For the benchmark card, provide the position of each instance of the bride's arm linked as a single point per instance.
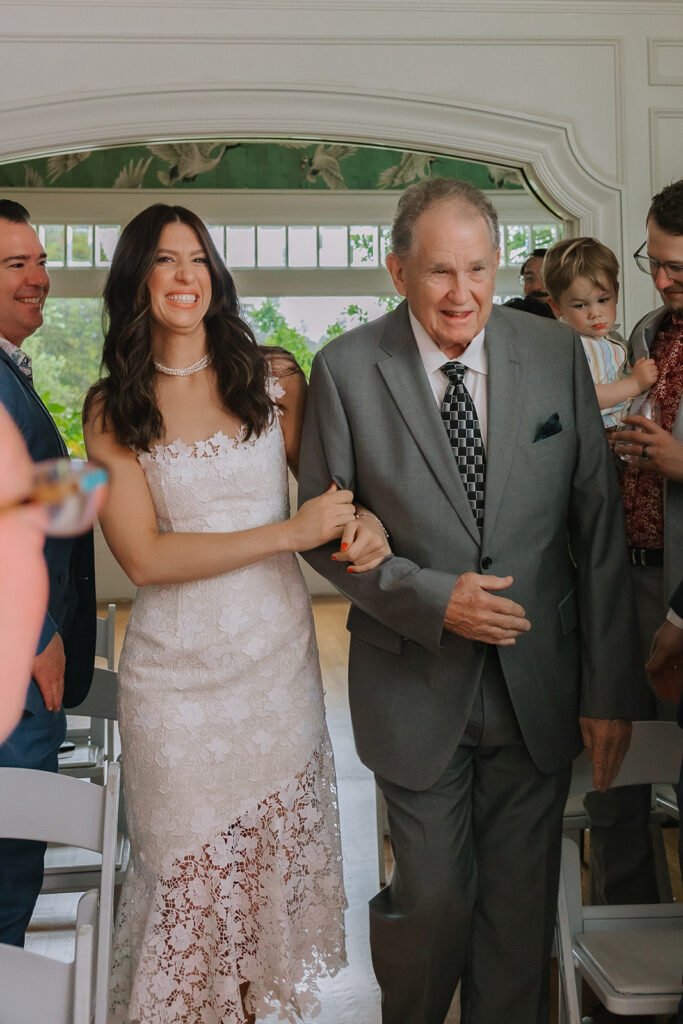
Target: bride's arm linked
(148, 557)
(364, 542)
(129, 522)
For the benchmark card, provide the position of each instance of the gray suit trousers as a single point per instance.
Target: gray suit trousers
(474, 887)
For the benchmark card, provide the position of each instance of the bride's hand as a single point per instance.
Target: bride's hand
(320, 519)
(364, 543)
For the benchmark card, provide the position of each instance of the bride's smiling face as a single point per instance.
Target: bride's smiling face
(180, 284)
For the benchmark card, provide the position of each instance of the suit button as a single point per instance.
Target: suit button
(486, 562)
(63, 577)
(478, 646)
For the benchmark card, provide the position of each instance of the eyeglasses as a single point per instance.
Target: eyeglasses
(70, 490)
(650, 266)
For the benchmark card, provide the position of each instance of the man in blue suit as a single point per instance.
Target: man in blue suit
(62, 668)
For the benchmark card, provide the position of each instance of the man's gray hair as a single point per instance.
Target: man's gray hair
(418, 198)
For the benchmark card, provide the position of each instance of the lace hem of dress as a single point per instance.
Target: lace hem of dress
(262, 902)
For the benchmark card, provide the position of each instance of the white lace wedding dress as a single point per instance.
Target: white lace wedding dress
(228, 772)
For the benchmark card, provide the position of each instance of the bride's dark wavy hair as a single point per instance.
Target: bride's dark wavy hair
(125, 394)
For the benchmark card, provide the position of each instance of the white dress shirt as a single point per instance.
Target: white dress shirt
(674, 619)
(476, 375)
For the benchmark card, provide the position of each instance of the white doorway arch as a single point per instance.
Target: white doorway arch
(544, 150)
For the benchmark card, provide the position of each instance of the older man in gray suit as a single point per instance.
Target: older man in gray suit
(501, 631)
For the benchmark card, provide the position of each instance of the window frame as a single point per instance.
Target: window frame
(261, 208)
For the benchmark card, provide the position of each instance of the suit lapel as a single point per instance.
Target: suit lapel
(506, 360)
(407, 382)
(651, 329)
(35, 397)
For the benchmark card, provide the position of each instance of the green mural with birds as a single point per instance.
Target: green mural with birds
(235, 164)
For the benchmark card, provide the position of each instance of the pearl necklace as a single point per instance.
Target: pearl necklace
(184, 371)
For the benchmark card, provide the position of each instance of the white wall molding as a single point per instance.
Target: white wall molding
(242, 45)
(545, 151)
(507, 7)
(231, 37)
(665, 61)
(666, 146)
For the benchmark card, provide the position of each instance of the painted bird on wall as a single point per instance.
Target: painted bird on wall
(62, 163)
(411, 166)
(188, 159)
(502, 176)
(324, 164)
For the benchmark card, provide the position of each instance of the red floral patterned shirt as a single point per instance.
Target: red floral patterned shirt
(642, 490)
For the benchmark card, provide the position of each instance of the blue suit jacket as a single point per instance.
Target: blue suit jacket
(70, 561)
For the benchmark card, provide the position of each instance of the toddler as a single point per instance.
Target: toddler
(581, 275)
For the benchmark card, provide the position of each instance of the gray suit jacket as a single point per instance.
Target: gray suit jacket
(641, 340)
(372, 425)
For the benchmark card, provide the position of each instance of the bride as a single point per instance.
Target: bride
(234, 900)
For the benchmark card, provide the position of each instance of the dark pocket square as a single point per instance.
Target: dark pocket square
(551, 426)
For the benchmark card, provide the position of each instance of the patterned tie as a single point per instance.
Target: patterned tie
(21, 360)
(462, 427)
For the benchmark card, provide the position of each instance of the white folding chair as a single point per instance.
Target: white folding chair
(69, 868)
(38, 988)
(46, 807)
(631, 956)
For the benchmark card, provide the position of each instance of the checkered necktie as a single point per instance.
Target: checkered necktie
(462, 427)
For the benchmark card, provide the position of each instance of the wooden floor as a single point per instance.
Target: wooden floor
(352, 997)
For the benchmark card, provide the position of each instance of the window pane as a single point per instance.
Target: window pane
(79, 245)
(302, 247)
(240, 247)
(52, 240)
(543, 235)
(384, 241)
(217, 232)
(272, 247)
(517, 243)
(333, 247)
(363, 241)
(501, 243)
(106, 238)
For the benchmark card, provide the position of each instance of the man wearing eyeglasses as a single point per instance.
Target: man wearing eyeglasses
(622, 861)
(62, 667)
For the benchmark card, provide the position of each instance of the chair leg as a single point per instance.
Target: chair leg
(661, 866)
(569, 981)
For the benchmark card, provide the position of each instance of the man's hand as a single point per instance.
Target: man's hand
(666, 662)
(660, 451)
(477, 614)
(48, 672)
(607, 741)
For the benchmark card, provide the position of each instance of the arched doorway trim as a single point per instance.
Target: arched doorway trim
(544, 150)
